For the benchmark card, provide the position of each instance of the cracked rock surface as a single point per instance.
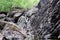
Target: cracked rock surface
(42, 21)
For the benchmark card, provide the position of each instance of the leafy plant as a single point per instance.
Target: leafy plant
(7, 5)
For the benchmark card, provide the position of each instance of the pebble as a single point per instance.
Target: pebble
(22, 22)
(17, 15)
(2, 15)
(32, 11)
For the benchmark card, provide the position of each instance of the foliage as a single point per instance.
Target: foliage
(7, 5)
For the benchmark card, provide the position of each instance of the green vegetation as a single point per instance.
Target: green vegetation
(7, 5)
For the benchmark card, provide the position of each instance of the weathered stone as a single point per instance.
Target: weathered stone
(2, 16)
(9, 30)
(59, 36)
(17, 15)
(12, 13)
(32, 11)
(22, 21)
(1, 36)
(8, 19)
(36, 23)
(48, 16)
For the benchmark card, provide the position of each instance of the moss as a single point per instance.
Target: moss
(7, 5)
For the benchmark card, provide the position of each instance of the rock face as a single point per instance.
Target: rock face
(42, 21)
(9, 32)
(47, 19)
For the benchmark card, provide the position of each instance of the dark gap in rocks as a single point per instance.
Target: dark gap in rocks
(4, 38)
(16, 19)
(1, 27)
(18, 8)
(4, 13)
(15, 38)
(54, 27)
(54, 2)
(55, 35)
(54, 19)
(39, 5)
